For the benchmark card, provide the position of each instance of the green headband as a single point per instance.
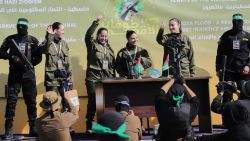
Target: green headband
(22, 23)
(244, 90)
(237, 17)
(98, 128)
(177, 98)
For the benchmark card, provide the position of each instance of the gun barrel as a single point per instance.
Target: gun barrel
(224, 67)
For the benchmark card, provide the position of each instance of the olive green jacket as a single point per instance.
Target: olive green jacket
(186, 53)
(48, 48)
(95, 56)
(123, 60)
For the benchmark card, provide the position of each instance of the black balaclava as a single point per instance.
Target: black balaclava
(22, 27)
(122, 103)
(237, 22)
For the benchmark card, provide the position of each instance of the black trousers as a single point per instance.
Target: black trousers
(26, 80)
(91, 107)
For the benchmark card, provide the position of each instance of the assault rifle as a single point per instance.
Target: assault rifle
(25, 61)
(225, 87)
(177, 45)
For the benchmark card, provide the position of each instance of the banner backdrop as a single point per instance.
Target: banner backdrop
(203, 21)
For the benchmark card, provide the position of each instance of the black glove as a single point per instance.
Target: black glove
(231, 86)
(226, 86)
(15, 59)
(220, 87)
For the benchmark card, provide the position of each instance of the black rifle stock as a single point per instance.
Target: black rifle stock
(25, 61)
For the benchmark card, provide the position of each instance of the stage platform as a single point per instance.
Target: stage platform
(147, 136)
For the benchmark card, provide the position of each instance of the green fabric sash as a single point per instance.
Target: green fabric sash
(99, 129)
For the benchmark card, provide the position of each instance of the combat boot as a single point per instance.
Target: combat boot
(32, 131)
(88, 126)
(8, 135)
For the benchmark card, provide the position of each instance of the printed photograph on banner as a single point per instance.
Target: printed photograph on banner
(129, 8)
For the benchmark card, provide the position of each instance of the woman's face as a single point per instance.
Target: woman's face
(60, 31)
(174, 26)
(103, 37)
(133, 39)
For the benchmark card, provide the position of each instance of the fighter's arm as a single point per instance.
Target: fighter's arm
(246, 68)
(36, 51)
(4, 50)
(220, 53)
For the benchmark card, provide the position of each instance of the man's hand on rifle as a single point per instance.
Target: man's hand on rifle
(220, 88)
(16, 59)
(219, 74)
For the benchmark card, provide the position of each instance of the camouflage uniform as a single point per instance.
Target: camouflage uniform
(96, 54)
(51, 48)
(186, 53)
(124, 61)
(56, 50)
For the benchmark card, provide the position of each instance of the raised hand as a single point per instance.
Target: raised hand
(50, 30)
(98, 18)
(161, 24)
